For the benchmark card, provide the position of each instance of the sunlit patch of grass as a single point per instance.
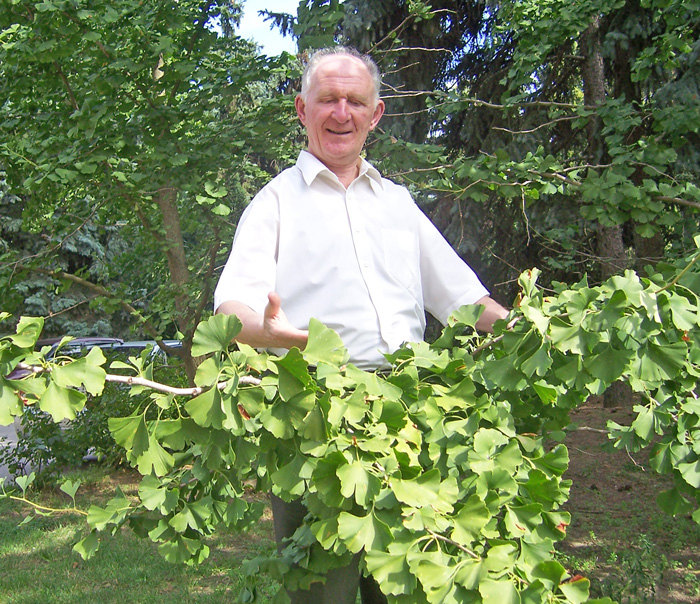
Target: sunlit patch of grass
(39, 566)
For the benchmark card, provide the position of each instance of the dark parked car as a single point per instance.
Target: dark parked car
(43, 446)
(112, 348)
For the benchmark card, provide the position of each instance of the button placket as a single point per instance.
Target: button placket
(363, 251)
(359, 234)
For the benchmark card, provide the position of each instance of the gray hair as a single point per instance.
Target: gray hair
(346, 51)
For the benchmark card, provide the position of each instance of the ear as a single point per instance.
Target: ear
(301, 109)
(378, 112)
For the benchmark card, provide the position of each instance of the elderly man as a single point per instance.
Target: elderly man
(330, 238)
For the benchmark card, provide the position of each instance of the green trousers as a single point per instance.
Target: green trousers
(341, 583)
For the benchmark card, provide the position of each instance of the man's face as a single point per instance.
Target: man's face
(339, 111)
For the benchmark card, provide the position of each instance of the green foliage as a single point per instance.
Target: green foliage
(440, 472)
(46, 448)
(125, 570)
(38, 437)
(88, 251)
(317, 23)
(641, 570)
(524, 157)
(133, 133)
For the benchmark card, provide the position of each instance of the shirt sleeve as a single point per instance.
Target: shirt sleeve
(250, 272)
(447, 281)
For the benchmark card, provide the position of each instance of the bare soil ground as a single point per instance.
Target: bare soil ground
(619, 538)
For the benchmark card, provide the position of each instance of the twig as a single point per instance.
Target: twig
(679, 275)
(486, 345)
(60, 243)
(421, 48)
(634, 461)
(52, 314)
(578, 450)
(139, 381)
(101, 291)
(587, 429)
(452, 542)
(399, 27)
(536, 128)
(43, 508)
(66, 83)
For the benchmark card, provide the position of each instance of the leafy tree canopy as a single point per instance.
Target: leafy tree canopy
(142, 119)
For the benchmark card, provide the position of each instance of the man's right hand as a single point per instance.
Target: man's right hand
(272, 329)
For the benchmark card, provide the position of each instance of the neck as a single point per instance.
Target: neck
(348, 174)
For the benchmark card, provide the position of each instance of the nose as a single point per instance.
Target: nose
(340, 111)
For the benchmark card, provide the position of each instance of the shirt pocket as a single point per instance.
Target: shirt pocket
(402, 258)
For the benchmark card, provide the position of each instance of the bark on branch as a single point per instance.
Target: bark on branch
(66, 83)
(101, 291)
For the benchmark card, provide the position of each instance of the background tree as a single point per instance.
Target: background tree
(547, 126)
(518, 77)
(150, 126)
(140, 119)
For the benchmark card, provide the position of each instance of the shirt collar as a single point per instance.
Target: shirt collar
(311, 167)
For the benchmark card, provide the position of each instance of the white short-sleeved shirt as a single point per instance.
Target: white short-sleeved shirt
(364, 261)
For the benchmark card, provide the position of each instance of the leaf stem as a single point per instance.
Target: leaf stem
(139, 381)
(683, 272)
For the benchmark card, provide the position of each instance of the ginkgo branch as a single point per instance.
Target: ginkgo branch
(132, 380)
(66, 83)
(138, 381)
(45, 509)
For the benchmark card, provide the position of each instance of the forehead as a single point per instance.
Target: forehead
(341, 71)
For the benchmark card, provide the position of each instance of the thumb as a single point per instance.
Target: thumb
(274, 305)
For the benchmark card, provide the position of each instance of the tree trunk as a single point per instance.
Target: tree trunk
(611, 251)
(648, 251)
(166, 198)
(610, 246)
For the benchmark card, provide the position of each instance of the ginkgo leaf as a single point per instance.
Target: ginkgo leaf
(215, 334)
(324, 345)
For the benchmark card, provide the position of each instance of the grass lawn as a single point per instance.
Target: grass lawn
(618, 538)
(39, 566)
